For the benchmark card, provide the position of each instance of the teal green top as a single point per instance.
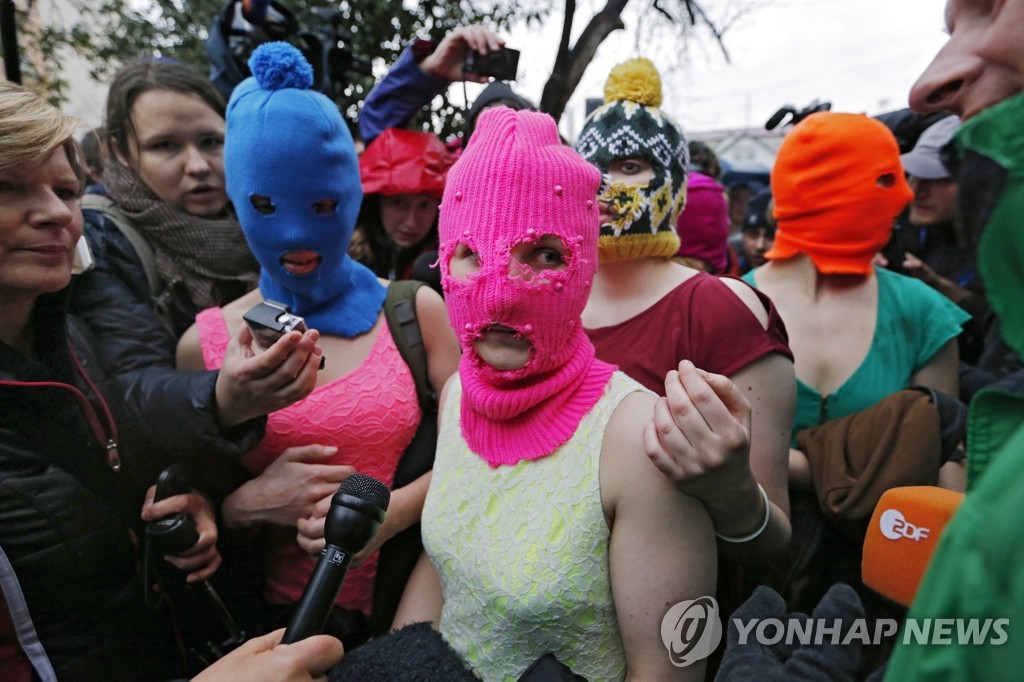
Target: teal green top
(914, 322)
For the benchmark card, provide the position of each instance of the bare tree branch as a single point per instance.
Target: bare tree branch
(696, 7)
(563, 82)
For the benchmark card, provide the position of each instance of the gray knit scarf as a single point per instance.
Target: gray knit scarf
(202, 253)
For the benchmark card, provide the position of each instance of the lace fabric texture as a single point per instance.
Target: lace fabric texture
(522, 551)
(370, 415)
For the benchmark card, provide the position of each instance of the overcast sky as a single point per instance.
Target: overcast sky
(862, 55)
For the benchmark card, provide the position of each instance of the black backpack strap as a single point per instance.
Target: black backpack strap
(104, 205)
(400, 312)
(398, 555)
(160, 295)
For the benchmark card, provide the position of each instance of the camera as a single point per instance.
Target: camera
(237, 30)
(328, 50)
(795, 115)
(270, 320)
(501, 64)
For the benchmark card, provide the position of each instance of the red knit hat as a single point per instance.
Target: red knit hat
(703, 226)
(400, 161)
(838, 187)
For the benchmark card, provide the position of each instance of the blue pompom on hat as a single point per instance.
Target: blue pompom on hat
(277, 66)
(293, 176)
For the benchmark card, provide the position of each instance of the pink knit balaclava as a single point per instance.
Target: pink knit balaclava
(517, 183)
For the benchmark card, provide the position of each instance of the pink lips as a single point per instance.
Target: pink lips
(301, 262)
(56, 253)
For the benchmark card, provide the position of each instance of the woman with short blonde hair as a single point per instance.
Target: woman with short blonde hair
(30, 129)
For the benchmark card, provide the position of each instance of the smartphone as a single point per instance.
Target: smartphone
(501, 64)
(270, 320)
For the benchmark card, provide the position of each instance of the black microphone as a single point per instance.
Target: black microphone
(357, 510)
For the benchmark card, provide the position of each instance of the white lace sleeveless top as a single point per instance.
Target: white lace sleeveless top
(522, 551)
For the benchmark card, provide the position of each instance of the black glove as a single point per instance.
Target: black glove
(784, 662)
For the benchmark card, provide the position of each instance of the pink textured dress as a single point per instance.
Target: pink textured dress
(370, 415)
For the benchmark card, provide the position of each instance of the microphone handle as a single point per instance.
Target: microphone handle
(318, 598)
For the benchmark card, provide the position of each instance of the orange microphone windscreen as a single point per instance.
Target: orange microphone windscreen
(902, 536)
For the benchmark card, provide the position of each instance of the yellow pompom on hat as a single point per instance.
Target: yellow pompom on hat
(636, 80)
(630, 125)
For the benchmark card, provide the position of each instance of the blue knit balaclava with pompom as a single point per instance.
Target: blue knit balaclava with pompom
(293, 177)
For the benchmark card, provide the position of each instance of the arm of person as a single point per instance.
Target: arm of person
(265, 659)
(942, 371)
(287, 491)
(404, 510)
(409, 86)
(175, 411)
(438, 337)
(700, 437)
(662, 548)
(422, 600)
(915, 267)
(253, 384)
(799, 470)
(769, 385)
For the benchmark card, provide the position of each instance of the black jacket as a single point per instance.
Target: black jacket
(66, 514)
(137, 352)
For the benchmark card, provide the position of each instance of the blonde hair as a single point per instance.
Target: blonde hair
(31, 129)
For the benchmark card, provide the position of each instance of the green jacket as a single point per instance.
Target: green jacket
(978, 569)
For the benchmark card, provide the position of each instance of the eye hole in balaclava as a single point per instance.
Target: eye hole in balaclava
(464, 261)
(535, 261)
(325, 207)
(634, 171)
(886, 181)
(262, 204)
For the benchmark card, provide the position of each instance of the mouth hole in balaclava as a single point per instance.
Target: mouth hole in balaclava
(538, 260)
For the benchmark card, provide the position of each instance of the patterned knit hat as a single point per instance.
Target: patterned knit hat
(516, 184)
(630, 124)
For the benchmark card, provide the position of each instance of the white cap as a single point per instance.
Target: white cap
(923, 161)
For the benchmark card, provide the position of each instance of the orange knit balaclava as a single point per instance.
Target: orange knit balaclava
(838, 187)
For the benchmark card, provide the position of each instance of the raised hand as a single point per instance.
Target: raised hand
(287, 490)
(252, 384)
(446, 60)
(699, 435)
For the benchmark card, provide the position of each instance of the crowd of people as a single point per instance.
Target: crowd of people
(623, 386)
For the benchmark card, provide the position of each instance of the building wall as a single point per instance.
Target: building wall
(752, 149)
(86, 97)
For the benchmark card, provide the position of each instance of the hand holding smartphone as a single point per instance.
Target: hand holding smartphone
(500, 64)
(269, 321)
